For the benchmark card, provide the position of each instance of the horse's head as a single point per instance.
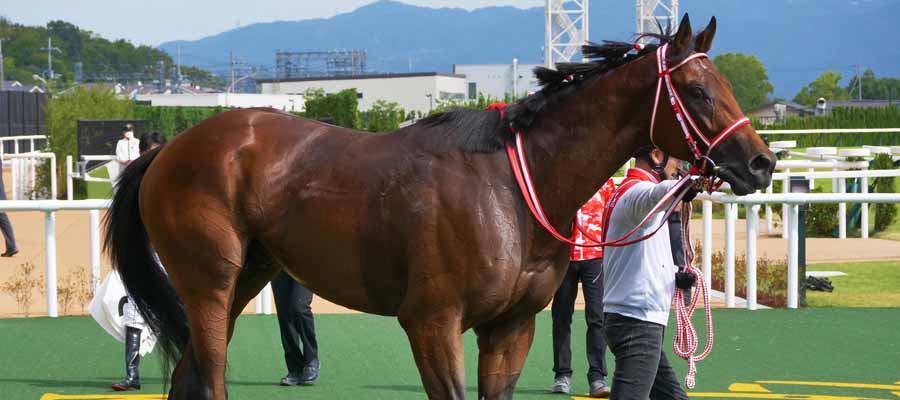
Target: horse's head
(709, 115)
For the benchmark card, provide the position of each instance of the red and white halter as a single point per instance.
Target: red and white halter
(686, 341)
(702, 161)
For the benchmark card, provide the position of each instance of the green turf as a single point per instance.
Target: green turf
(874, 284)
(99, 190)
(367, 357)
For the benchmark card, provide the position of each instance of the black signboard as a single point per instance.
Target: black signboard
(99, 137)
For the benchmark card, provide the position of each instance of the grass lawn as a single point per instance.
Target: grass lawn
(794, 354)
(874, 284)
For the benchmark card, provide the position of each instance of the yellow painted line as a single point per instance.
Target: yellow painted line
(834, 384)
(748, 387)
(778, 396)
(897, 393)
(107, 396)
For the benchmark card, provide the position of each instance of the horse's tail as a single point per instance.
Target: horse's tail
(145, 281)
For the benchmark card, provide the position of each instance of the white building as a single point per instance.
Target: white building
(496, 80)
(413, 91)
(284, 102)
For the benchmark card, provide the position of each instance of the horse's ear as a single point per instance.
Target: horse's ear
(684, 38)
(705, 39)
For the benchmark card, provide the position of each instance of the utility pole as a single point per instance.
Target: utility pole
(2, 85)
(177, 88)
(231, 69)
(859, 80)
(50, 49)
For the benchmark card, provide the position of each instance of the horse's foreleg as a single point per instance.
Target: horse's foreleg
(436, 341)
(503, 348)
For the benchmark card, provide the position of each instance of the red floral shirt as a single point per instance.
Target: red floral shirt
(590, 219)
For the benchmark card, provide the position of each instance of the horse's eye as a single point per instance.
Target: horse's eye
(699, 93)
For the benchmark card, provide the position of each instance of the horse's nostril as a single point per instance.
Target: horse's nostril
(761, 164)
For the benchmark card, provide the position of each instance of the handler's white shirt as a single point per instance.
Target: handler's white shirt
(128, 149)
(639, 279)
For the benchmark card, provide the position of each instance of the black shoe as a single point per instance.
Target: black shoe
(310, 373)
(291, 379)
(132, 379)
(10, 253)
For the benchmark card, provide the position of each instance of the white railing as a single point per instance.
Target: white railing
(49, 208)
(23, 173)
(16, 139)
(753, 202)
(814, 131)
(79, 171)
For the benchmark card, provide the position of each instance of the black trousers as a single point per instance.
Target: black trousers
(642, 370)
(590, 274)
(5, 225)
(295, 320)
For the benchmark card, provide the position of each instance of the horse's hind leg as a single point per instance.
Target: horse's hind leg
(502, 350)
(204, 265)
(257, 272)
(436, 340)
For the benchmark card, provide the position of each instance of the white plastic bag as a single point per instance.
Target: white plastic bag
(108, 309)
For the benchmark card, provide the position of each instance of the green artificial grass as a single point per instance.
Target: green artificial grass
(99, 190)
(368, 357)
(871, 284)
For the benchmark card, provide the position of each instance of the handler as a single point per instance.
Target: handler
(639, 280)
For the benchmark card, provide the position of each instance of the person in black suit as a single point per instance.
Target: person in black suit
(295, 320)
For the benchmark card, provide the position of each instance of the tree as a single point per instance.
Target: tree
(342, 108)
(383, 117)
(874, 88)
(826, 86)
(748, 78)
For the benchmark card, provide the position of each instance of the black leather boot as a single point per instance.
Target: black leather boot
(132, 379)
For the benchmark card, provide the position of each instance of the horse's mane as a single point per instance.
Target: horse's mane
(483, 131)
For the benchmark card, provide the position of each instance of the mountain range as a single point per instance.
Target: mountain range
(795, 39)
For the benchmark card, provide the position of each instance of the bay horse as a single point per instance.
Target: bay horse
(426, 224)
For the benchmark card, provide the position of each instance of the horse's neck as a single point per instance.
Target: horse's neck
(587, 138)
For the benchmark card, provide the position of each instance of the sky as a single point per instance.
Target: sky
(155, 21)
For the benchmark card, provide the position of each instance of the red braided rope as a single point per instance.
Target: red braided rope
(686, 338)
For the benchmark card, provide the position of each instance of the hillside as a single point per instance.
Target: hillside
(102, 59)
(796, 40)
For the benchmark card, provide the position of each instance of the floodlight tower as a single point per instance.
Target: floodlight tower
(567, 29)
(651, 14)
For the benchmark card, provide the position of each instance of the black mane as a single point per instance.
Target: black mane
(484, 131)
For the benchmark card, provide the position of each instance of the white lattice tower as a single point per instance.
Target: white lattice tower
(651, 14)
(567, 29)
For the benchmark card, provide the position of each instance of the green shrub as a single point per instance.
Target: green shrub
(771, 277)
(842, 117)
(884, 213)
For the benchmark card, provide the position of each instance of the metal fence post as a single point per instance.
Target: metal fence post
(785, 221)
(50, 249)
(69, 192)
(793, 258)
(730, 217)
(842, 210)
(95, 247)
(707, 242)
(53, 191)
(864, 209)
(752, 233)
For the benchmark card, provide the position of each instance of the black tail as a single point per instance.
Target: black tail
(134, 259)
